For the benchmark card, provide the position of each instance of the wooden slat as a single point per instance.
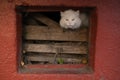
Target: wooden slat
(45, 33)
(51, 23)
(51, 59)
(50, 48)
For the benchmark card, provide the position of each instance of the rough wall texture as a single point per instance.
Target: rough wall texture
(107, 65)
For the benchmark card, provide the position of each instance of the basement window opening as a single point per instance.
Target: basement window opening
(46, 47)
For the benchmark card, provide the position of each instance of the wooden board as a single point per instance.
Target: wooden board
(45, 33)
(51, 48)
(51, 59)
(51, 23)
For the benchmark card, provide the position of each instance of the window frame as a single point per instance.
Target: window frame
(55, 68)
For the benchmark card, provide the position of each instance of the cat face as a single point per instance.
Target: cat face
(70, 19)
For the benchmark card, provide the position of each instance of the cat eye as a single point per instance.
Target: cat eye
(73, 19)
(66, 19)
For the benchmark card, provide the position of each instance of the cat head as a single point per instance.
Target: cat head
(70, 12)
(70, 19)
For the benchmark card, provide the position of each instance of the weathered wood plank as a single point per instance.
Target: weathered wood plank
(45, 33)
(51, 23)
(51, 59)
(51, 48)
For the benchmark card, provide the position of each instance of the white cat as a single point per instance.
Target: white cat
(71, 19)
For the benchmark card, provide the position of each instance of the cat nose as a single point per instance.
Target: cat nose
(70, 23)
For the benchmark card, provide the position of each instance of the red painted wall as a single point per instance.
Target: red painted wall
(107, 54)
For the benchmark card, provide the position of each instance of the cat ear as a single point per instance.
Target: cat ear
(61, 13)
(77, 12)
